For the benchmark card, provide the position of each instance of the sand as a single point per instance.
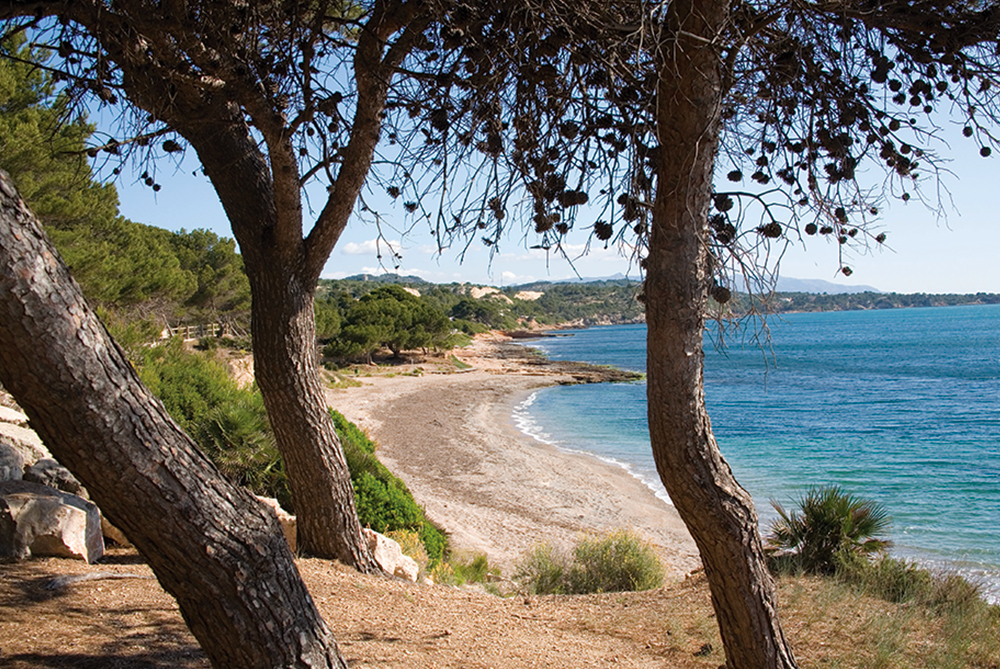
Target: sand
(450, 437)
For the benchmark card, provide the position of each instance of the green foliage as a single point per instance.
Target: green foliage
(618, 562)
(236, 435)
(542, 571)
(591, 302)
(490, 313)
(189, 385)
(389, 316)
(127, 269)
(896, 580)
(229, 423)
(830, 526)
(328, 319)
(384, 502)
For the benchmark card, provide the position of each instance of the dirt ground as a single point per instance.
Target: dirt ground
(131, 623)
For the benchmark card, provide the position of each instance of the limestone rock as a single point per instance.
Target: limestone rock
(49, 472)
(113, 533)
(390, 556)
(11, 463)
(286, 519)
(14, 430)
(42, 521)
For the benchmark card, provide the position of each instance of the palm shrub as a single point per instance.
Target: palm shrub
(830, 526)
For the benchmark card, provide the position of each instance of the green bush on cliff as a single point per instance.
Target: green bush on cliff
(384, 502)
(230, 425)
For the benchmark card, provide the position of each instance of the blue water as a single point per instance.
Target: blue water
(900, 406)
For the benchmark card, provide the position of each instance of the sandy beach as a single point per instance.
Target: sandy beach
(451, 438)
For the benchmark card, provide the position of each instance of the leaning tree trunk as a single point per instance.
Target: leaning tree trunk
(718, 512)
(220, 553)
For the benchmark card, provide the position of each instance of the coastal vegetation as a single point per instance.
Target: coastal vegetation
(615, 106)
(831, 528)
(619, 561)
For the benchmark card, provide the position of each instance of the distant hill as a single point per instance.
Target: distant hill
(787, 284)
(385, 278)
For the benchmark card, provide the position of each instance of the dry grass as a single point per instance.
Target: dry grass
(381, 623)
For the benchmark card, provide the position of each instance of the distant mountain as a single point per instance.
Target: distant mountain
(787, 284)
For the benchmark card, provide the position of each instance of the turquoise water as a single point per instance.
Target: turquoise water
(899, 406)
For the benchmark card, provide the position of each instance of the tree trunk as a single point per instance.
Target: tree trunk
(287, 372)
(284, 340)
(718, 512)
(218, 551)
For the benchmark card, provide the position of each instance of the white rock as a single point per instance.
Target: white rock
(113, 533)
(25, 440)
(390, 556)
(286, 519)
(42, 521)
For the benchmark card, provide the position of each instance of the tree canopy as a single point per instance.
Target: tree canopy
(123, 266)
(389, 316)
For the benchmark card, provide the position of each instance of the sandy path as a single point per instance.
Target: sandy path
(450, 437)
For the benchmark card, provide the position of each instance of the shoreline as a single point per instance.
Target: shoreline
(494, 489)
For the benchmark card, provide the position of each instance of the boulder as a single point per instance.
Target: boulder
(49, 472)
(42, 521)
(14, 431)
(390, 556)
(286, 519)
(114, 534)
(11, 463)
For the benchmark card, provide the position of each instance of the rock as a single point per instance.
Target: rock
(49, 472)
(8, 415)
(114, 534)
(11, 463)
(390, 556)
(23, 439)
(42, 521)
(286, 519)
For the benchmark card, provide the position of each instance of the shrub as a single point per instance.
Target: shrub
(618, 562)
(461, 570)
(411, 545)
(898, 581)
(384, 502)
(830, 526)
(543, 571)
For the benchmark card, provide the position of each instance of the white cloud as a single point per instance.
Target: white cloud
(369, 247)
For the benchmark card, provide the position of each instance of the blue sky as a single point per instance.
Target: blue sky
(924, 251)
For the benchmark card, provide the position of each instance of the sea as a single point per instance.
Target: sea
(900, 406)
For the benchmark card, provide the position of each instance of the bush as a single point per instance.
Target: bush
(384, 502)
(830, 526)
(618, 562)
(898, 581)
(543, 571)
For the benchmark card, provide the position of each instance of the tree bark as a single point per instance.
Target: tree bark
(718, 512)
(218, 551)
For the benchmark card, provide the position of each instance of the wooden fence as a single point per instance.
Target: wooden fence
(191, 332)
